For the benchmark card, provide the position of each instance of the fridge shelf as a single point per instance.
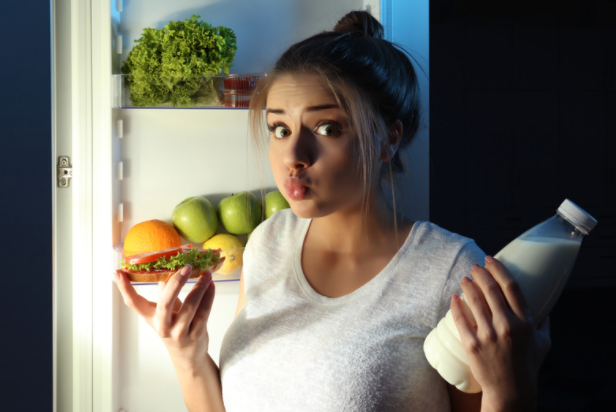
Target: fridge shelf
(216, 277)
(206, 92)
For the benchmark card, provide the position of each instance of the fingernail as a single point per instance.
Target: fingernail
(466, 279)
(489, 259)
(186, 270)
(455, 297)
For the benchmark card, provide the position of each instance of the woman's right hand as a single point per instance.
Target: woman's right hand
(181, 326)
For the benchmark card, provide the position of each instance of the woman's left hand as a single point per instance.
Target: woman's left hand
(503, 347)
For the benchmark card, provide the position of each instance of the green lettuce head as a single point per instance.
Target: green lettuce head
(168, 65)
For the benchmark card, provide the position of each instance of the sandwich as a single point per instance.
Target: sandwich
(160, 265)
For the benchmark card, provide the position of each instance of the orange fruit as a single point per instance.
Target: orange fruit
(150, 236)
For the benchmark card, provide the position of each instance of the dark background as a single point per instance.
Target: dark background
(522, 116)
(26, 191)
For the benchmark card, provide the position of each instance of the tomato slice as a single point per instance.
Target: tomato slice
(152, 256)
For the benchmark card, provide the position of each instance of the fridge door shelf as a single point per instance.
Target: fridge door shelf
(212, 93)
(216, 277)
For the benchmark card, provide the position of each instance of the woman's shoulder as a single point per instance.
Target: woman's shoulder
(271, 245)
(435, 243)
(279, 227)
(433, 235)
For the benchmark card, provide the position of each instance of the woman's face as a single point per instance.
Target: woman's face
(311, 149)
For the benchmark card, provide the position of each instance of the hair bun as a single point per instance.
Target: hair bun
(361, 23)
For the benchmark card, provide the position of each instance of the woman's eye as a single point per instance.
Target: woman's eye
(281, 132)
(328, 129)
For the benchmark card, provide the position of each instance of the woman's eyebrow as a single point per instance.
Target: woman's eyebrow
(308, 109)
(275, 111)
(322, 107)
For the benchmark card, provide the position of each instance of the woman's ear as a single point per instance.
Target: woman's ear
(390, 146)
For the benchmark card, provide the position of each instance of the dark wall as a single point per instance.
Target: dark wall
(26, 241)
(522, 116)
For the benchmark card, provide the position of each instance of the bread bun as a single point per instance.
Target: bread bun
(164, 276)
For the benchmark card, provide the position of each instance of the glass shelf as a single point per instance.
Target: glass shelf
(232, 91)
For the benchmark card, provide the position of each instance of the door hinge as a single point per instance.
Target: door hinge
(65, 171)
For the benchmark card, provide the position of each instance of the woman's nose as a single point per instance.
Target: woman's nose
(301, 150)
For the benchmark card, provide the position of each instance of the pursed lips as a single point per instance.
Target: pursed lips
(295, 187)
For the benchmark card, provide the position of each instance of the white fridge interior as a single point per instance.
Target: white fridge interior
(167, 156)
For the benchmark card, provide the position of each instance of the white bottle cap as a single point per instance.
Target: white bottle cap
(577, 216)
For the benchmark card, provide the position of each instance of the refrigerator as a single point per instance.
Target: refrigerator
(123, 165)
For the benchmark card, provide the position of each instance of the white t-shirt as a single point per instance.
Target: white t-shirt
(292, 349)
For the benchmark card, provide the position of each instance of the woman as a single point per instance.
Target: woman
(338, 294)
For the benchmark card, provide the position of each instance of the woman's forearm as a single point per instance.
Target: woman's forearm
(201, 386)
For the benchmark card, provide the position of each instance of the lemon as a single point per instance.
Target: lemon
(232, 250)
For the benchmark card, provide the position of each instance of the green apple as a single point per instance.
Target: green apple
(274, 201)
(240, 213)
(195, 219)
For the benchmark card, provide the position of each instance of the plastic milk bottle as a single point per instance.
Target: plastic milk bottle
(541, 260)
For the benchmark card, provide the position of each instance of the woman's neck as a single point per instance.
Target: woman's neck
(359, 231)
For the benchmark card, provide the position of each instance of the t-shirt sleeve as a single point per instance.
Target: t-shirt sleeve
(260, 247)
(250, 252)
(468, 255)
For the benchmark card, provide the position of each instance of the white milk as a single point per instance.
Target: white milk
(541, 266)
(541, 260)
(444, 351)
